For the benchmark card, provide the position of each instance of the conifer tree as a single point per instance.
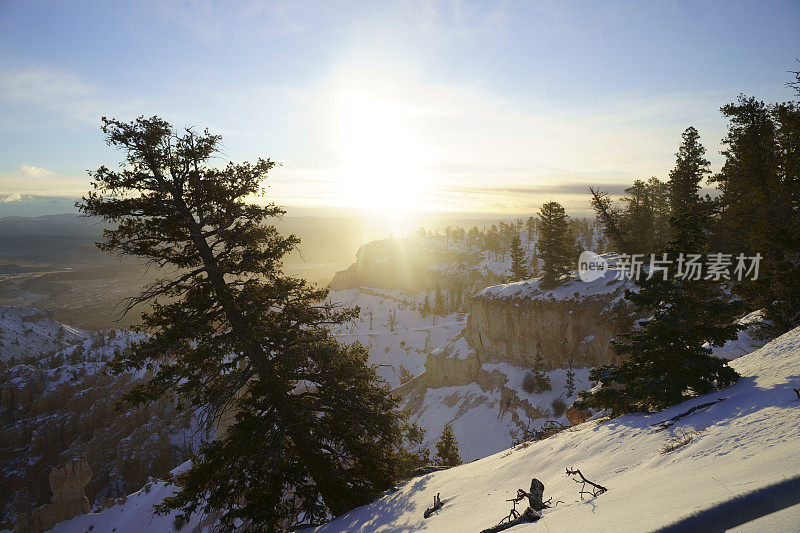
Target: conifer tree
(666, 360)
(447, 448)
(518, 270)
(760, 184)
(556, 244)
(569, 382)
(530, 226)
(419, 454)
(438, 306)
(315, 431)
(537, 380)
(426, 306)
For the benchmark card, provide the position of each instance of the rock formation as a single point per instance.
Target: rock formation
(69, 499)
(508, 326)
(52, 417)
(410, 265)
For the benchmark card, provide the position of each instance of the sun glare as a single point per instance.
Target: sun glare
(383, 158)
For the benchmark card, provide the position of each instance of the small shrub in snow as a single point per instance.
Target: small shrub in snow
(559, 407)
(534, 382)
(681, 438)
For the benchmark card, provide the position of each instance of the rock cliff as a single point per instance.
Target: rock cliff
(510, 323)
(404, 264)
(477, 378)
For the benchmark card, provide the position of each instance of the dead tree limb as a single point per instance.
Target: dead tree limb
(666, 424)
(532, 514)
(797, 391)
(596, 491)
(437, 504)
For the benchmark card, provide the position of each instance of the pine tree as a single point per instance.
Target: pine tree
(405, 375)
(426, 307)
(438, 306)
(556, 244)
(518, 270)
(760, 184)
(569, 382)
(447, 448)
(316, 432)
(530, 226)
(541, 378)
(666, 360)
(645, 219)
(415, 454)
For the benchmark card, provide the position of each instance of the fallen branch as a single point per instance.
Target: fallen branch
(797, 391)
(437, 504)
(666, 424)
(598, 489)
(532, 514)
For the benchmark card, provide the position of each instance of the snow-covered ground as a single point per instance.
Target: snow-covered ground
(27, 332)
(746, 341)
(745, 443)
(135, 515)
(405, 342)
(483, 421)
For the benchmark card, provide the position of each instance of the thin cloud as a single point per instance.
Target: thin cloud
(32, 171)
(13, 197)
(61, 93)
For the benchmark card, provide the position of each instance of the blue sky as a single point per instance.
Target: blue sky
(433, 106)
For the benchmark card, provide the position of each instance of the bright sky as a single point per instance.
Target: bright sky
(393, 106)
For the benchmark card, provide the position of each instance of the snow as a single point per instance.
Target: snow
(746, 442)
(746, 342)
(414, 336)
(135, 515)
(573, 288)
(481, 423)
(25, 331)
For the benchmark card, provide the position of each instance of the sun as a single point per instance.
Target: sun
(383, 157)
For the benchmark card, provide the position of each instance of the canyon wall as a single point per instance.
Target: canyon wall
(511, 323)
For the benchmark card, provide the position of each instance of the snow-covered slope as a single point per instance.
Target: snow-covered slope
(748, 441)
(393, 331)
(27, 332)
(487, 419)
(745, 443)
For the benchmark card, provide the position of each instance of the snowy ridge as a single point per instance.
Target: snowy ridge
(611, 282)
